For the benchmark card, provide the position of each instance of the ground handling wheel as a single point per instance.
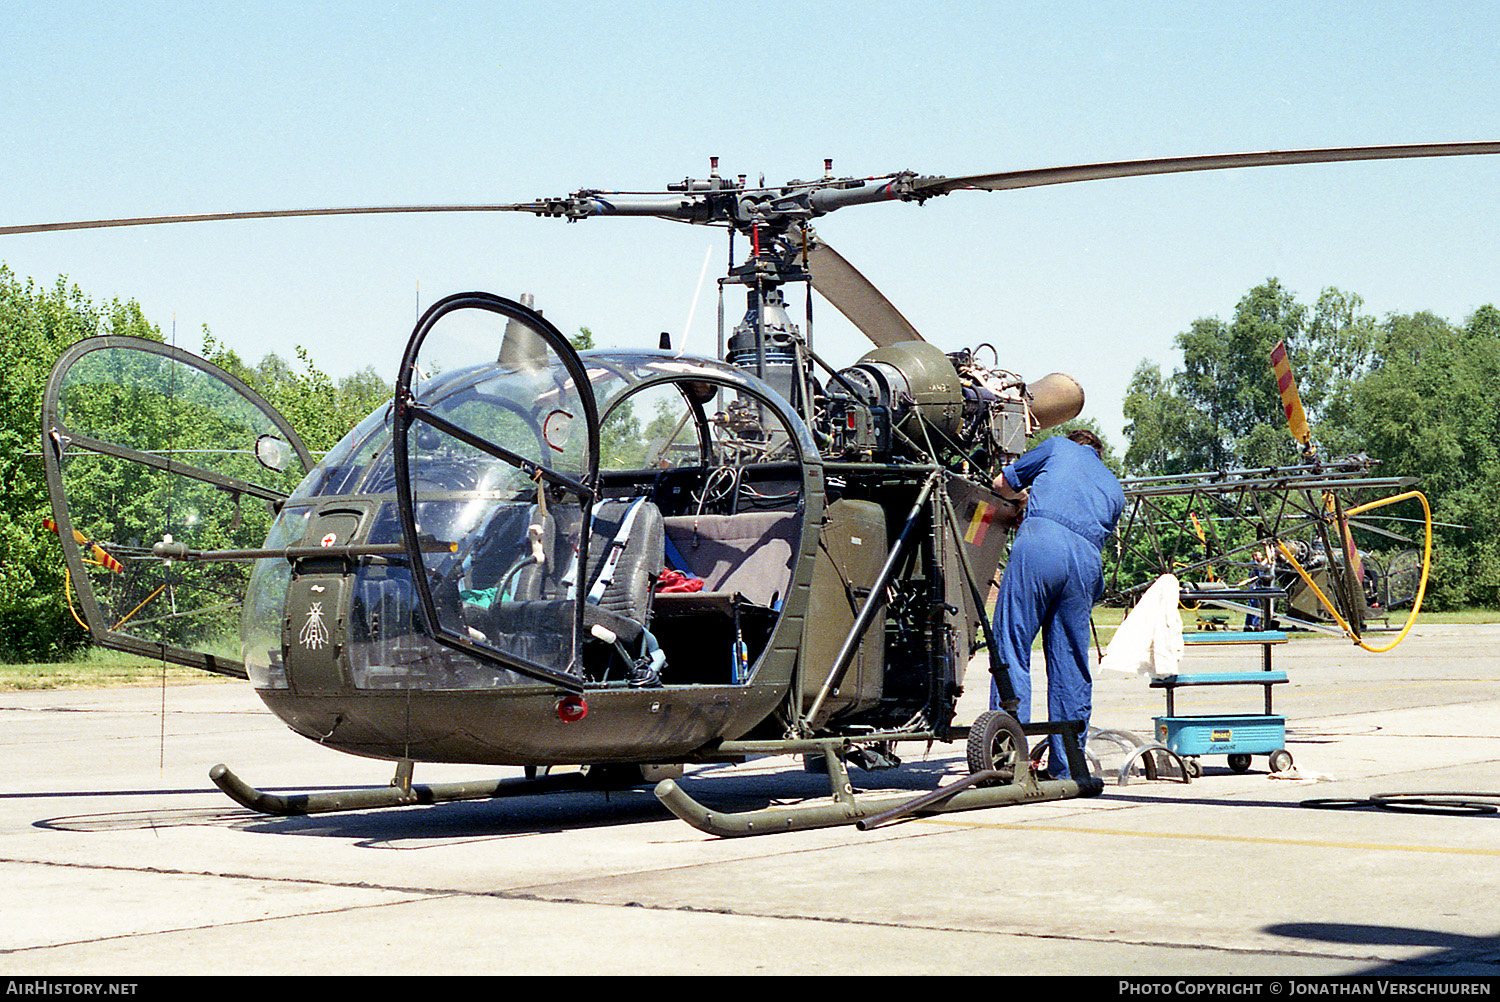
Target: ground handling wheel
(996, 741)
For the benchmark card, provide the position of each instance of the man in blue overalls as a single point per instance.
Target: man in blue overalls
(1054, 575)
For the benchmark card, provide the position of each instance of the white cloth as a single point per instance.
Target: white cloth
(1149, 641)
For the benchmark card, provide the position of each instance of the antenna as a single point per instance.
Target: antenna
(693, 309)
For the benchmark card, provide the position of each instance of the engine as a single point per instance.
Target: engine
(911, 399)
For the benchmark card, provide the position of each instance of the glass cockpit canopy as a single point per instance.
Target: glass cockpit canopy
(145, 443)
(660, 411)
(495, 446)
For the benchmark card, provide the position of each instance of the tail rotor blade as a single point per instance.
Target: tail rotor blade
(1291, 400)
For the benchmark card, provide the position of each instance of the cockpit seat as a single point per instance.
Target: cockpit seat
(627, 550)
(748, 554)
(716, 634)
(513, 555)
(626, 554)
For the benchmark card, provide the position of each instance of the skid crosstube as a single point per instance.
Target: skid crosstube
(870, 811)
(398, 794)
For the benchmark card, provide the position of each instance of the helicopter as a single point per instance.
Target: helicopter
(625, 560)
(1289, 528)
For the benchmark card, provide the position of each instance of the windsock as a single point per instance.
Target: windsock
(100, 557)
(1296, 417)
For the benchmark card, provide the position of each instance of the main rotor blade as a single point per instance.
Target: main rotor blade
(207, 217)
(1367, 527)
(687, 208)
(1172, 165)
(855, 296)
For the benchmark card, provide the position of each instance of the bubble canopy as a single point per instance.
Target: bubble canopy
(493, 410)
(505, 442)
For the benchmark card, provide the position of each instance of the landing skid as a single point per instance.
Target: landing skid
(399, 794)
(868, 812)
(1000, 775)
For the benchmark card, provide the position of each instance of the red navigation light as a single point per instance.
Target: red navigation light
(571, 709)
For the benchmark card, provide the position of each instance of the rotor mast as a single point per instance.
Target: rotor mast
(766, 341)
(774, 220)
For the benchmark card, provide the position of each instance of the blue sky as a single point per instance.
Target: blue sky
(126, 109)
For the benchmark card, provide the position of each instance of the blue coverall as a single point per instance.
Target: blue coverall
(1053, 578)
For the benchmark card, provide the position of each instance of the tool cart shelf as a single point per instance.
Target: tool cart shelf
(1235, 735)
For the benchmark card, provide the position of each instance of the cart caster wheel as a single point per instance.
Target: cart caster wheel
(996, 741)
(1192, 767)
(1281, 760)
(1239, 763)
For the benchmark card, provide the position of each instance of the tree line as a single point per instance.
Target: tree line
(37, 324)
(1415, 391)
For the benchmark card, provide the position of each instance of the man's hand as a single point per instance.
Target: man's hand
(1012, 503)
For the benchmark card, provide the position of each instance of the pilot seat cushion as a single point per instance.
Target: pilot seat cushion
(749, 553)
(641, 557)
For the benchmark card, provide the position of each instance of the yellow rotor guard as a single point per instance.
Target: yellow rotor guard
(1416, 605)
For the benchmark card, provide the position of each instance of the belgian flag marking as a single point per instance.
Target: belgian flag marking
(979, 523)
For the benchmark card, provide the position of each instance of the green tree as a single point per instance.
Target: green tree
(1161, 426)
(1426, 410)
(36, 325)
(1222, 408)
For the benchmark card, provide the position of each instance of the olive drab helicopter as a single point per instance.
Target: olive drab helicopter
(626, 560)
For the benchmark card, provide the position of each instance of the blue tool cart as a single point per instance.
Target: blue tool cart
(1236, 735)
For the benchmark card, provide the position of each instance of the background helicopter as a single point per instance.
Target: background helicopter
(423, 593)
(1285, 529)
